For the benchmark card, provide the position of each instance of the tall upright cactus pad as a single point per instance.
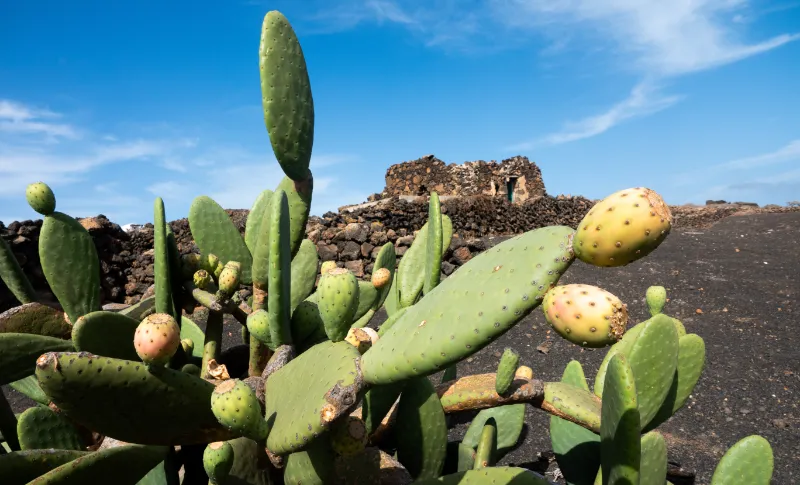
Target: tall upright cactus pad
(106, 333)
(40, 427)
(12, 275)
(20, 467)
(299, 195)
(70, 264)
(576, 448)
(434, 249)
(471, 308)
(35, 318)
(123, 400)
(749, 461)
(279, 287)
(252, 228)
(312, 466)
(304, 272)
(286, 96)
(422, 436)
(19, 351)
(214, 233)
(620, 448)
(127, 464)
(161, 266)
(386, 260)
(501, 475)
(298, 414)
(653, 463)
(411, 270)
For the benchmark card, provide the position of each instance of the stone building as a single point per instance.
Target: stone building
(515, 179)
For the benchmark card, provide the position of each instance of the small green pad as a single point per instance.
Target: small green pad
(123, 400)
(12, 275)
(20, 467)
(70, 264)
(312, 466)
(127, 465)
(29, 387)
(572, 403)
(105, 333)
(35, 318)
(19, 351)
(214, 233)
(750, 461)
(421, 435)
(504, 475)
(304, 272)
(255, 217)
(434, 247)
(190, 330)
(620, 448)
(40, 428)
(509, 418)
(470, 309)
(294, 412)
(653, 469)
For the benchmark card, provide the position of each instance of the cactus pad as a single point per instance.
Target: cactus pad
(279, 278)
(422, 444)
(510, 420)
(20, 467)
(653, 463)
(40, 427)
(214, 233)
(255, 217)
(298, 414)
(312, 466)
(656, 298)
(106, 333)
(70, 264)
(41, 198)
(35, 318)
(29, 387)
(750, 461)
(471, 308)
(620, 448)
(304, 272)
(19, 351)
(372, 465)
(121, 399)
(572, 403)
(504, 475)
(337, 299)
(11, 274)
(506, 370)
(585, 315)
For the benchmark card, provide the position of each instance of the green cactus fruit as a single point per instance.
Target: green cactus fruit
(214, 233)
(653, 463)
(40, 427)
(327, 266)
(255, 217)
(299, 414)
(19, 351)
(279, 283)
(434, 249)
(217, 461)
(12, 275)
(41, 198)
(128, 464)
(750, 461)
(585, 315)
(29, 387)
(620, 448)
(258, 326)
(106, 333)
(622, 228)
(304, 272)
(70, 264)
(20, 467)
(483, 300)
(500, 475)
(487, 445)
(509, 420)
(311, 466)
(228, 281)
(187, 345)
(656, 298)
(348, 435)
(506, 371)
(422, 446)
(576, 448)
(286, 96)
(161, 264)
(203, 280)
(35, 318)
(190, 263)
(381, 278)
(338, 302)
(157, 339)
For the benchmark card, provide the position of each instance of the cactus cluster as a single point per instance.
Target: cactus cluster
(141, 395)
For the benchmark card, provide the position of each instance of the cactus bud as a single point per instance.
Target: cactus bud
(188, 346)
(202, 279)
(506, 371)
(217, 461)
(210, 263)
(656, 299)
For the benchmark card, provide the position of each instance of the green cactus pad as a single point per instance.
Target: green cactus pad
(214, 233)
(691, 360)
(378, 400)
(422, 444)
(217, 461)
(161, 266)
(620, 448)
(372, 465)
(190, 330)
(247, 455)
(295, 413)
(392, 302)
(510, 420)
(299, 196)
(41, 198)
(504, 475)
(487, 445)
(237, 408)
(337, 299)
(386, 258)
(434, 247)
(460, 457)
(577, 449)
(35, 318)
(286, 96)
(142, 309)
(467, 311)
(19, 351)
(30, 388)
(123, 400)
(70, 264)
(12, 275)
(304, 272)
(750, 461)
(127, 464)
(40, 427)
(20, 467)
(279, 287)
(313, 466)
(306, 319)
(255, 217)
(572, 403)
(656, 298)
(506, 370)
(367, 297)
(653, 463)
(106, 333)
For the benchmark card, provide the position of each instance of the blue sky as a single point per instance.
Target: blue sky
(115, 103)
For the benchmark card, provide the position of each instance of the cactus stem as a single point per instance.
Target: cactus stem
(259, 356)
(478, 392)
(213, 341)
(214, 304)
(487, 446)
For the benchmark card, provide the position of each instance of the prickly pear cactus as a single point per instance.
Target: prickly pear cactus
(585, 315)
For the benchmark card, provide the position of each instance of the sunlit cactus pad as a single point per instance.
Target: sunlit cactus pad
(573, 404)
(214, 233)
(296, 395)
(494, 476)
(106, 333)
(471, 308)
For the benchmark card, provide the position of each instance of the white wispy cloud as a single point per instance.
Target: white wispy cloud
(18, 118)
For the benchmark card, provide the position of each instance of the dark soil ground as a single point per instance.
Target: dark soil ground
(737, 285)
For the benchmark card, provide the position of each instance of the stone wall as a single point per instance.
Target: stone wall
(471, 179)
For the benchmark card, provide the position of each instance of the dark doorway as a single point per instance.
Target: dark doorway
(511, 183)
